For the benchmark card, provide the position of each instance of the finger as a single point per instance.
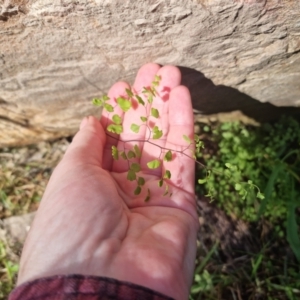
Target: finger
(117, 90)
(88, 144)
(170, 78)
(181, 122)
(144, 78)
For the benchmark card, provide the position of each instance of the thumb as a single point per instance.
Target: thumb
(87, 145)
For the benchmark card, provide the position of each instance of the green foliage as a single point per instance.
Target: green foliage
(123, 155)
(138, 190)
(108, 107)
(141, 181)
(114, 128)
(268, 155)
(131, 176)
(154, 112)
(157, 134)
(153, 164)
(100, 101)
(148, 196)
(124, 104)
(137, 151)
(251, 276)
(140, 100)
(187, 139)
(135, 128)
(135, 167)
(129, 93)
(115, 152)
(167, 174)
(131, 154)
(117, 119)
(8, 272)
(168, 156)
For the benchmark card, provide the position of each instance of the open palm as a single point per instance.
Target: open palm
(89, 220)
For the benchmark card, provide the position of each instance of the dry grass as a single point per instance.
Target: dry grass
(24, 173)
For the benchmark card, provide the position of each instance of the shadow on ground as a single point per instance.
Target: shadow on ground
(209, 98)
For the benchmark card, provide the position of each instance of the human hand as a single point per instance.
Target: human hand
(89, 220)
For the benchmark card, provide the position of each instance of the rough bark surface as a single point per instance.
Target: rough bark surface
(55, 55)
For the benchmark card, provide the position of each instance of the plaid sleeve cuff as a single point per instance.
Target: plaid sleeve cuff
(80, 287)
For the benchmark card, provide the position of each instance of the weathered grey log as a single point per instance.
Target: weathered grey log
(55, 55)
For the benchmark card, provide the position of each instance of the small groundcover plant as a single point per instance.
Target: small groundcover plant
(268, 155)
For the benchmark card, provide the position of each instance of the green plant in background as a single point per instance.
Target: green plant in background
(252, 276)
(268, 155)
(8, 272)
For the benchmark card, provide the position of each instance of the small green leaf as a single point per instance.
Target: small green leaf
(160, 183)
(115, 152)
(154, 113)
(131, 175)
(157, 78)
(206, 128)
(115, 128)
(187, 139)
(117, 119)
(141, 181)
(135, 128)
(167, 174)
(199, 145)
(97, 102)
(157, 133)
(108, 107)
(227, 135)
(140, 100)
(137, 191)
(123, 155)
(228, 165)
(144, 119)
(237, 186)
(124, 104)
(243, 193)
(135, 167)
(168, 156)
(150, 93)
(154, 164)
(148, 196)
(105, 98)
(156, 81)
(150, 99)
(166, 190)
(260, 196)
(202, 181)
(196, 138)
(137, 151)
(129, 93)
(131, 154)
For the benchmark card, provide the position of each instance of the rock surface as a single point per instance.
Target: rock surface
(55, 55)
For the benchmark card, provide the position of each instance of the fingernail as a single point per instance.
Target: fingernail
(84, 122)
